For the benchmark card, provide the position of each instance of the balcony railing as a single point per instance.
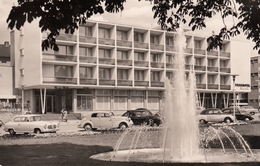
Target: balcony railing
(124, 43)
(225, 87)
(51, 56)
(142, 83)
(124, 62)
(106, 82)
(141, 45)
(106, 41)
(88, 81)
(87, 39)
(199, 51)
(199, 67)
(212, 86)
(157, 64)
(142, 63)
(188, 67)
(188, 50)
(107, 61)
(213, 69)
(213, 53)
(157, 84)
(156, 47)
(224, 70)
(67, 37)
(201, 86)
(169, 65)
(170, 48)
(124, 83)
(88, 59)
(59, 80)
(225, 54)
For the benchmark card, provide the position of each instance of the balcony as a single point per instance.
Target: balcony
(87, 59)
(106, 82)
(156, 47)
(212, 53)
(124, 62)
(50, 56)
(59, 80)
(107, 61)
(87, 39)
(88, 81)
(225, 54)
(157, 84)
(188, 50)
(199, 51)
(201, 86)
(224, 69)
(170, 48)
(188, 67)
(103, 41)
(212, 86)
(142, 63)
(199, 68)
(124, 83)
(141, 45)
(225, 87)
(169, 65)
(67, 37)
(142, 83)
(213, 69)
(124, 43)
(157, 64)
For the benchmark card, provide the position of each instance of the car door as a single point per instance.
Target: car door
(95, 120)
(105, 121)
(210, 116)
(23, 125)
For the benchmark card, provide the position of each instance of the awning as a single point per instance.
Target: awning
(8, 97)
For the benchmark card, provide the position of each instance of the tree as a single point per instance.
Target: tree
(56, 15)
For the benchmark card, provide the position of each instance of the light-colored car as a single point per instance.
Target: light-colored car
(214, 115)
(30, 123)
(246, 109)
(102, 120)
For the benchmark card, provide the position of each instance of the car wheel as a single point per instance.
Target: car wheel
(252, 113)
(122, 126)
(87, 127)
(202, 121)
(37, 131)
(227, 120)
(11, 131)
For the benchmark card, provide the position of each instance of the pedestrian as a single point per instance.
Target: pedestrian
(61, 115)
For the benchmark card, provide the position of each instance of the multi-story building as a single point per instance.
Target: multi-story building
(8, 94)
(104, 66)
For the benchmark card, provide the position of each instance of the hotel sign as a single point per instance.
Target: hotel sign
(243, 87)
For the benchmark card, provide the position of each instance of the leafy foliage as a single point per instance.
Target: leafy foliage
(56, 15)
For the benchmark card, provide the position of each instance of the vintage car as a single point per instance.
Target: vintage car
(103, 120)
(246, 109)
(30, 123)
(238, 114)
(214, 115)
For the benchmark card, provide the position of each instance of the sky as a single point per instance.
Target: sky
(135, 13)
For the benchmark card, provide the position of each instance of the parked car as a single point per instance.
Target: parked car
(238, 114)
(246, 109)
(141, 116)
(104, 120)
(30, 123)
(214, 115)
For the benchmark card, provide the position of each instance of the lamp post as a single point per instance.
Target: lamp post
(234, 94)
(22, 99)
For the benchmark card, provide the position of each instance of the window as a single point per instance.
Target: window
(67, 50)
(156, 57)
(154, 39)
(223, 63)
(103, 101)
(139, 56)
(197, 44)
(211, 79)
(85, 31)
(138, 37)
(84, 51)
(85, 72)
(121, 35)
(122, 74)
(63, 71)
(169, 58)
(169, 40)
(120, 103)
(223, 80)
(84, 103)
(169, 75)
(104, 73)
(198, 78)
(153, 102)
(104, 53)
(122, 54)
(198, 61)
(104, 33)
(139, 75)
(211, 62)
(137, 99)
(155, 76)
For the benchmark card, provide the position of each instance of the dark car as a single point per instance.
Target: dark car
(143, 116)
(238, 114)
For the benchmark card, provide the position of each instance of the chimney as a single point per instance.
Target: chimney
(6, 43)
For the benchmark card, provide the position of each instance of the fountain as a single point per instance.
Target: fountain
(180, 140)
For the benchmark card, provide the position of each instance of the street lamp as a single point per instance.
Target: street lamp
(234, 100)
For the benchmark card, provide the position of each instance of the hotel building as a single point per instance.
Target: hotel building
(105, 66)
